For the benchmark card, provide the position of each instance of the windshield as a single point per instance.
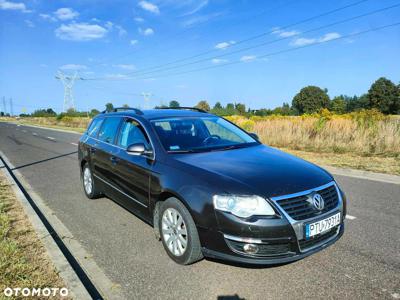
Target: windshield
(182, 135)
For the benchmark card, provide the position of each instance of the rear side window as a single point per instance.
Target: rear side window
(109, 129)
(94, 127)
(132, 133)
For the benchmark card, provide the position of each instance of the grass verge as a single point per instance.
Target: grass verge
(23, 259)
(388, 165)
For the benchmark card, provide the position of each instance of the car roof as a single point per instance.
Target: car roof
(151, 114)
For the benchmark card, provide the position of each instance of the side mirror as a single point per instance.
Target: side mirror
(139, 149)
(254, 136)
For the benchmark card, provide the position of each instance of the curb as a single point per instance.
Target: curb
(107, 288)
(381, 177)
(75, 286)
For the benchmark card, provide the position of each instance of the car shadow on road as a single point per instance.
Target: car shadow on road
(230, 297)
(44, 160)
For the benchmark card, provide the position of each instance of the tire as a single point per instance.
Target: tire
(176, 227)
(88, 183)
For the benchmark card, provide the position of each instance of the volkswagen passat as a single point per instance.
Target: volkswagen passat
(210, 188)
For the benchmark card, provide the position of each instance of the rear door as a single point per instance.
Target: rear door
(102, 159)
(132, 173)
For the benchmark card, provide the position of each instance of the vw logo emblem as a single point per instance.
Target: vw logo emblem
(318, 202)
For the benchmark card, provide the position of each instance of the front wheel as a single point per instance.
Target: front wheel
(179, 233)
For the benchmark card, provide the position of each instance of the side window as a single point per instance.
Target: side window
(132, 133)
(109, 129)
(94, 127)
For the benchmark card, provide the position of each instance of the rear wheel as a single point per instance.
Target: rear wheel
(179, 233)
(88, 183)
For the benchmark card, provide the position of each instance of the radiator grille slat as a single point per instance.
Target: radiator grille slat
(300, 208)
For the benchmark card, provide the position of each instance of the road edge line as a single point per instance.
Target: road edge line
(109, 290)
(381, 177)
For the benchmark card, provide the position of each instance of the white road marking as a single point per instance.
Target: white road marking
(50, 138)
(75, 144)
(348, 217)
(34, 133)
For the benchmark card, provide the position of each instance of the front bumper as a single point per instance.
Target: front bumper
(278, 239)
(273, 260)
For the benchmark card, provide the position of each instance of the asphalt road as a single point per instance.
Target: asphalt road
(365, 263)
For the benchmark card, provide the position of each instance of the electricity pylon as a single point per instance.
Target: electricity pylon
(68, 82)
(146, 97)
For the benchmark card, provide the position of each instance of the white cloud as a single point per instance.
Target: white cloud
(218, 61)
(146, 32)
(200, 19)
(303, 41)
(125, 66)
(330, 36)
(80, 32)
(48, 17)
(283, 33)
(43, 65)
(133, 42)
(139, 19)
(8, 5)
(116, 76)
(201, 4)
(308, 41)
(66, 13)
(224, 45)
(109, 25)
(73, 67)
(150, 7)
(29, 23)
(248, 58)
(121, 30)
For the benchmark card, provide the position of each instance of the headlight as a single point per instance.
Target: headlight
(243, 206)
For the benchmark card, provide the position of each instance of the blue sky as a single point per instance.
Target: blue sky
(127, 44)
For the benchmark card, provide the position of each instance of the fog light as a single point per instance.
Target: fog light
(250, 248)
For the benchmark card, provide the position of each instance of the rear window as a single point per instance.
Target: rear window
(109, 129)
(94, 127)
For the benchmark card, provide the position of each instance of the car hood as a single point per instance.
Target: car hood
(258, 169)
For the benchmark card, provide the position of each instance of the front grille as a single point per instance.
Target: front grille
(298, 208)
(263, 249)
(305, 244)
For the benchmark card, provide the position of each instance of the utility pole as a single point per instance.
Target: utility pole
(146, 98)
(4, 105)
(11, 107)
(68, 82)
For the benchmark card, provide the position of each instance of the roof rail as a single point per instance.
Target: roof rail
(186, 108)
(117, 109)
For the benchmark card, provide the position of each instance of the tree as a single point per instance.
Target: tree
(174, 104)
(1, 113)
(125, 106)
(94, 112)
(218, 106)
(385, 96)
(310, 99)
(240, 108)
(203, 105)
(338, 105)
(109, 107)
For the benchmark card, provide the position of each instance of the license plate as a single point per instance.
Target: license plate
(322, 226)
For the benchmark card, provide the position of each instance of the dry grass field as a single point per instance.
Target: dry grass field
(365, 140)
(23, 259)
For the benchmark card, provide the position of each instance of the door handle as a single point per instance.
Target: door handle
(114, 160)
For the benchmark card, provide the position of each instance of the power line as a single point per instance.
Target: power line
(283, 51)
(273, 41)
(247, 39)
(193, 27)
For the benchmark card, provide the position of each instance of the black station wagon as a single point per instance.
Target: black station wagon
(209, 188)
